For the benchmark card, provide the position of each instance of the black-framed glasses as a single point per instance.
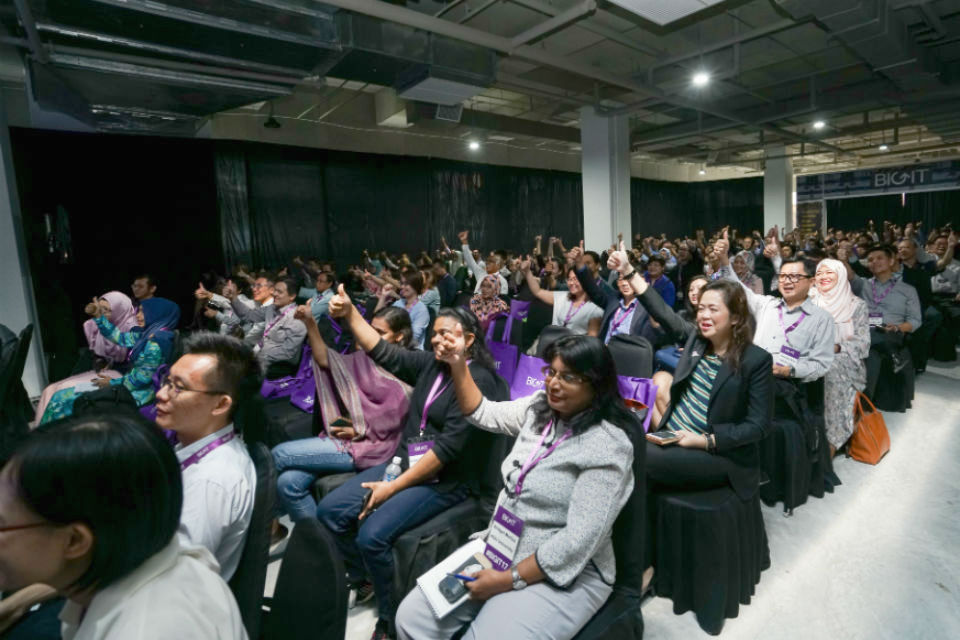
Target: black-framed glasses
(32, 525)
(565, 377)
(792, 277)
(176, 388)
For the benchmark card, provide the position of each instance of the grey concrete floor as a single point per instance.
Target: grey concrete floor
(877, 559)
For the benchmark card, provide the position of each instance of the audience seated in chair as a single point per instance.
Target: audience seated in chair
(490, 266)
(577, 477)
(376, 403)
(571, 309)
(148, 349)
(408, 299)
(261, 288)
(91, 506)
(847, 375)
(441, 454)
(667, 358)
(143, 288)
(894, 313)
(108, 356)
(487, 304)
(325, 290)
(210, 399)
(278, 347)
(721, 397)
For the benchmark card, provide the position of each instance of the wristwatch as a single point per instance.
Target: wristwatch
(518, 582)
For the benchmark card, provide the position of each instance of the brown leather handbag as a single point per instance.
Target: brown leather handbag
(870, 440)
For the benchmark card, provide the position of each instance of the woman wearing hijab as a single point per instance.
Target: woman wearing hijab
(108, 356)
(149, 347)
(743, 267)
(848, 374)
(486, 303)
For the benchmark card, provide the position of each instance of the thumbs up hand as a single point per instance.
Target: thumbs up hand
(340, 304)
(201, 293)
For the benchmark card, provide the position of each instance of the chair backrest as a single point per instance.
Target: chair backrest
(250, 578)
(629, 527)
(15, 401)
(310, 600)
(13, 424)
(550, 334)
(633, 356)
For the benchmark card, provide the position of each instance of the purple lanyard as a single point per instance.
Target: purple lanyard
(620, 316)
(787, 330)
(572, 312)
(531, 462)
(280, 317)
(435, 392)
(202, 453)
(873, 285)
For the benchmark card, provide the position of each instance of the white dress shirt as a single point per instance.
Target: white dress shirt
(175, 593)
(218, 493)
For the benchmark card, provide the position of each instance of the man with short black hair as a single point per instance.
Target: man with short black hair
(208, 390)
(491, 266)
(279, 344)
(325, 290)
(655, 277)
(144, 287)
(894, 312)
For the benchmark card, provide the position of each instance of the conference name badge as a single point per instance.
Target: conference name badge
(503, 540)
(416, 450)
(876, 319)
(788, 357)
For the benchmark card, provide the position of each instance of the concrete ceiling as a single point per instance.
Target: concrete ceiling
(873, 71)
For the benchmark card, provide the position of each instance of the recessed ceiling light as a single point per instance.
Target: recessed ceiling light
(701, 79)
(819, 124)
(703, 172)
(474, 145)
(884, 147)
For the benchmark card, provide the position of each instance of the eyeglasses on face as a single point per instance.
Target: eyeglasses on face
(792, 277)
(571, 379)
(176, 388)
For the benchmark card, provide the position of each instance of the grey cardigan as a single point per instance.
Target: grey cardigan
(285, 338)
(571, 498)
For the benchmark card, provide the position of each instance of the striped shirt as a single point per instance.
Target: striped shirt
(690, 414)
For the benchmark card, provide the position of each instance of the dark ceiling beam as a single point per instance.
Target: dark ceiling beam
(37, 47)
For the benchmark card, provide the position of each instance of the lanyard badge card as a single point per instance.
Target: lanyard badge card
(418, 447)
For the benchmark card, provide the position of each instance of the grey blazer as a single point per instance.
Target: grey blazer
(571, 498)
(286, 337)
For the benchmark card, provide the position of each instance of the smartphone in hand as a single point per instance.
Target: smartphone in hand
(664, 438)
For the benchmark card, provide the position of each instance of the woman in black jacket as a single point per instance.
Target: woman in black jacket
(721, 399)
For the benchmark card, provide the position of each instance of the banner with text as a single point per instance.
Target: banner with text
(869, 182)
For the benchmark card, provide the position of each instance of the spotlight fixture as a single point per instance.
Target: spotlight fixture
(819, 125)
(474, 145)
(701, 79)
(884, 147)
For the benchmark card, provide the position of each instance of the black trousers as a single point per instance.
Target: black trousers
(883, 344)
(674, 468)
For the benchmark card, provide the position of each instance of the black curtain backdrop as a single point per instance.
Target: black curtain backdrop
(134, 203)
(679, 208)
(933, 208)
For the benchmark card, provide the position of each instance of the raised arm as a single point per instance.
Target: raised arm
(468, 260)
(679, 328)
(317, 346)
(341, 307)
(544, 296)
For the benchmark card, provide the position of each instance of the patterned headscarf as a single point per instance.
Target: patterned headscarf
(122, 316)
(487, 307)
(160, 318)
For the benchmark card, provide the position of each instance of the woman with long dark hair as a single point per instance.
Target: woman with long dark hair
(721, 399)
(441, 455)
(565, 481)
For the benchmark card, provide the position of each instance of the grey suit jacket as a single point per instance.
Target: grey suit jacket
(571, 499)
(283, 339)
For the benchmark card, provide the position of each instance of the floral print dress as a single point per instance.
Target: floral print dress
(138, 380)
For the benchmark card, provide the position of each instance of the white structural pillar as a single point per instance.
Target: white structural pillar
(17, 308)
(778, 188)
(605, 142)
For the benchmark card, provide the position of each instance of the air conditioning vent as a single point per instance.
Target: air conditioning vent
(449, 113)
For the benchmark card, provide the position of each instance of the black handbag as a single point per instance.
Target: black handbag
(112, 398)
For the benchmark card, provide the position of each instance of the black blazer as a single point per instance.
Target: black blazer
(741, 402)
(640, 324)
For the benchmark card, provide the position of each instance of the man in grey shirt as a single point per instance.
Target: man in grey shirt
(894, 312)
(282, 338)
(796, 332)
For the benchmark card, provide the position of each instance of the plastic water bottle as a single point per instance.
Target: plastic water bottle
(393, 470)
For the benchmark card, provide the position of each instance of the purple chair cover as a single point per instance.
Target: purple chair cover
(528, 378)
(639, 394)
(286, 386)
(504, 355)
(519, 309)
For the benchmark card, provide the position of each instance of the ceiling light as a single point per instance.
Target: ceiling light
(819, 124)
(701, 79)
(702, 172)
(474, 145)
(884, 147)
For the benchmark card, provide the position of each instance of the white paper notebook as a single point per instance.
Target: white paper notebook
(444, 593)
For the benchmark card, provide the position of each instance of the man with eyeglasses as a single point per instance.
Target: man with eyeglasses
(796, 332)
(278, 346)
(262, 297)
(199, 399)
